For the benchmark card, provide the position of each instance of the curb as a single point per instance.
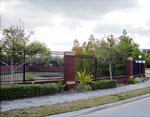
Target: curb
(101, 107)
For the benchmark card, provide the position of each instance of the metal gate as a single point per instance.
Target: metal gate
(136, 68)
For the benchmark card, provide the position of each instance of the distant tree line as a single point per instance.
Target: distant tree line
(108, 51)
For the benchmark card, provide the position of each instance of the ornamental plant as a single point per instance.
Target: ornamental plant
(84, 87)
(132, 81)
(137, 80)
(143, 78)
(29, 78)
(84, 78)
(60, 83)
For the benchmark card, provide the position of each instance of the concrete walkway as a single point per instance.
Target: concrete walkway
(47, 100)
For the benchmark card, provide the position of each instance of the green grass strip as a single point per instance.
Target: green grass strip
(45, 110)
(10, 74)
(29, 72)
(14, 74)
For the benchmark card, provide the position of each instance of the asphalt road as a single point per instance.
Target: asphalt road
(134, 107)
(140, 108)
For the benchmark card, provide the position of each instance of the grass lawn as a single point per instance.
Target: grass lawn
(44, 110)
(29, 72)
(14, 74)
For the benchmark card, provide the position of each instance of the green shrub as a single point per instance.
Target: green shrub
(137, 80)
(29, 78)
(103, 84)
(60, 83)
(143, 78)
(18, 91)
(132, 81)
(83, 78)
(84, 87)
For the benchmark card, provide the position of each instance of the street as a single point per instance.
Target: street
(134, 107)
(139, 108)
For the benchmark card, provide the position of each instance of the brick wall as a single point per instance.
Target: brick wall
(5, 69)
(129, 67)
(119, 79)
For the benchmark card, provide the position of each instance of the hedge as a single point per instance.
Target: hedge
(18, 91)
(103, 84)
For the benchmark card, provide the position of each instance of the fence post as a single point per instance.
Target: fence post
(24, 73)
(24, 69)
(143, 69)
(140, 69)
(69, 69)
(129, 67)
(95, 68)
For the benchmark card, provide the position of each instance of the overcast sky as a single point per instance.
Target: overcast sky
(58, 23)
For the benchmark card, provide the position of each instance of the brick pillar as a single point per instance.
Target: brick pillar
(143, 69)
(129, 67)
(69, 70)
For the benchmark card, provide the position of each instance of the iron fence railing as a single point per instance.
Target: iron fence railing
(136, 68)
(54, 68)
(98, 69)
(50, 69)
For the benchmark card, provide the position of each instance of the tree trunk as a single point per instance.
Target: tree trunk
(110, 70)
(12, 73)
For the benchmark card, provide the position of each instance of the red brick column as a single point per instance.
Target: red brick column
(129, 67)
(143, 69)
(69, 69)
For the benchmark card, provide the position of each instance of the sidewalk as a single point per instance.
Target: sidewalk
(47, 100)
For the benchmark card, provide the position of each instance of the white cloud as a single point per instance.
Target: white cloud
(144, 42)
(59, 23)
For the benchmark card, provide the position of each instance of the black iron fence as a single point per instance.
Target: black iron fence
(37, 68)
(6, 74)
(136, 68)
(98, 69)
(85, 62)
(53, 68)
(102, 70)
(119, 68)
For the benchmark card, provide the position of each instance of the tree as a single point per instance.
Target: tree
(57, 61)
(87, 48)
(2, 56)
(132, 46)
(113, 50)
(107, 51)
(75, 45)
(42, 58)
(134, 52)
(17, 49)
(110, 49)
